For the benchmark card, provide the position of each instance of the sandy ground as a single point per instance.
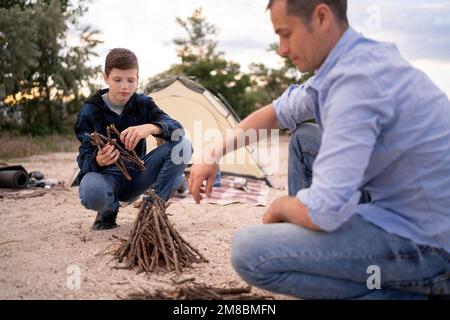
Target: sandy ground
(45, 242)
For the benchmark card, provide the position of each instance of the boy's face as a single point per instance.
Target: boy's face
(122, 84)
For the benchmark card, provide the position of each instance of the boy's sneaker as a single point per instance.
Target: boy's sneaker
(105, 222)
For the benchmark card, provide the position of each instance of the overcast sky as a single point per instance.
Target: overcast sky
(420, 29)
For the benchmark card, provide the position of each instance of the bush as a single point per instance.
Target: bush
(18, 146)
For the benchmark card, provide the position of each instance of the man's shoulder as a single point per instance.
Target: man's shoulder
(371, 57)
(371, 63)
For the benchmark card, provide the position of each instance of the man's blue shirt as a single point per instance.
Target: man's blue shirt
(386, 129)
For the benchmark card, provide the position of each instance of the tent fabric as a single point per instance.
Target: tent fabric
(198, 110)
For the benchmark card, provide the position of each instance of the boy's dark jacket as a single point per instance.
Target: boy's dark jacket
(96, 116)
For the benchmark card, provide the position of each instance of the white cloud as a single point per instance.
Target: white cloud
(148, 27)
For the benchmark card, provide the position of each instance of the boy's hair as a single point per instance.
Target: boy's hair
(304, 8)
(122, 59)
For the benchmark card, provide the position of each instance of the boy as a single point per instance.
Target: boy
(136, 116)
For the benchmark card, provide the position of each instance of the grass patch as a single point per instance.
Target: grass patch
(19, 146)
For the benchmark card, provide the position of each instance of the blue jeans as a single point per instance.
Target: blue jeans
(344, 264)
(102, 191)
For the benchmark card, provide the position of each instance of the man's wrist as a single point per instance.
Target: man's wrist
(279, 209)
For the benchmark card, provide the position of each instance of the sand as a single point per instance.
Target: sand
(48, 250)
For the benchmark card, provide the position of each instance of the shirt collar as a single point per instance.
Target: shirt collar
(342, 46)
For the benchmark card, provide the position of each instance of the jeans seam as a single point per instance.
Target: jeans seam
(310, 152)
(428, 284)
(349, 256)
(306, 293)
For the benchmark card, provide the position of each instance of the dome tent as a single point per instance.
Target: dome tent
(197, 108)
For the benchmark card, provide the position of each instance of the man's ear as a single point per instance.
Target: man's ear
(322, 16)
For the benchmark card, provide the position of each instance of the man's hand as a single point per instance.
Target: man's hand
(289, 209)
(107, 156)
(131, 136)
(198, 174)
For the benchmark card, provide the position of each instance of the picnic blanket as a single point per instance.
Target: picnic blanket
(256, 194)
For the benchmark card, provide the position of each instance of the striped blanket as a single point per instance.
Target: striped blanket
(256, 194)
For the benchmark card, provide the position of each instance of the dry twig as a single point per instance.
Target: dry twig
(154, 243)
(196, 291)
(10, 241)
(100, 141)
(28, 195)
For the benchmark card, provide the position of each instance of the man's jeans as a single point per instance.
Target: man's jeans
(103, 191)
(350, 263)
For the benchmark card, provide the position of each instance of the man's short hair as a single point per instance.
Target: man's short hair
(305, 8)
(122, 59)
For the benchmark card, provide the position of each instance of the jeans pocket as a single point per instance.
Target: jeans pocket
(436, 285)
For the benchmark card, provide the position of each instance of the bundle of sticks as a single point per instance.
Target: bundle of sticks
(196, 291)
(100, 141)
(154, 243)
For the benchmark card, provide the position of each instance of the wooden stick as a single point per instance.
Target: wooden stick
(155, 243)
(101, 141)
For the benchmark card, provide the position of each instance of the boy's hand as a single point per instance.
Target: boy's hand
(107, 156)
(132, 135)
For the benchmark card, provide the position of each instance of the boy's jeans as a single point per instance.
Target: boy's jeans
(350, 263)
(103, 191)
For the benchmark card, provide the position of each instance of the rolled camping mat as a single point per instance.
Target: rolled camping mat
(14, 179)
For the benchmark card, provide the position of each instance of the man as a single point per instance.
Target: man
(102, 185)
(383, 127)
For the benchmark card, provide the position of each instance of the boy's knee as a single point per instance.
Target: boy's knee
(93, 192)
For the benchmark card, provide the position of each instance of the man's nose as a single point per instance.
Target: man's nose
(283, 49)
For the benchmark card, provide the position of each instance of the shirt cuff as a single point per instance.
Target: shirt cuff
(94, 165)
(276, 105)
(324, 215)
(164, 130)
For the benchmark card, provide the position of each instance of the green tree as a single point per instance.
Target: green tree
(28, 3)
(270, 83)
(200, 59)
(41, 74)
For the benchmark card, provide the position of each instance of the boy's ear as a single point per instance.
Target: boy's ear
(105, 78)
